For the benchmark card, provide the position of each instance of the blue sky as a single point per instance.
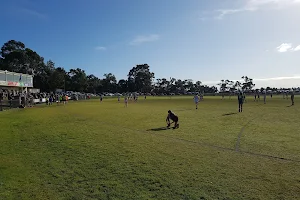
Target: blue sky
(205, 40)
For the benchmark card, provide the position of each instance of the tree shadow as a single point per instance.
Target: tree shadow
(228, 114)
(159, 129)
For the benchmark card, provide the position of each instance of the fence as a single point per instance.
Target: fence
(9, 104)
(21, 102)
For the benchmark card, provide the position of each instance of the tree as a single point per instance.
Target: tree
(78, 80)
(171, 88)
(248, 84)
(179, 84)
(223, 85)
(1, 64)
(122, 86)
(93, 84)
(13, 60)
(237, 85)
(162, 86)
(57, 79)
(109, 83)
(140, 78)
(17, 58)
(189, 85)
(232, 86)
(42, 76)
(33, 62)
(10, 47)
(158, 86)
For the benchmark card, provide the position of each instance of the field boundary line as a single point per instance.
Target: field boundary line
(237, 144)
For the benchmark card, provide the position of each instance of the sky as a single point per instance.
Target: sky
(206, 40)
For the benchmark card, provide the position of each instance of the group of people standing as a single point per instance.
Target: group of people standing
(57, 98)
(127, 98)
(242, 98)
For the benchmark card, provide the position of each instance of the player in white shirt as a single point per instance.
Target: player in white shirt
(265, 96)
(196, 100)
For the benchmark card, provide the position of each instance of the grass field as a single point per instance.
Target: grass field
(93, 150)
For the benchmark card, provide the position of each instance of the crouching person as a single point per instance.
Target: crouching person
(174, 118)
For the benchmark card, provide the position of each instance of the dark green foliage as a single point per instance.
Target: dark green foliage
(16, 57)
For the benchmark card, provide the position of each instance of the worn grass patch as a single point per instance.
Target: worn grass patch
(93, 150)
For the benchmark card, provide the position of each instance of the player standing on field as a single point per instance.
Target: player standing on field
(241, 101)
(196, 100)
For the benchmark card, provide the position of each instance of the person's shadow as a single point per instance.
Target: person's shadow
(228, 114)
(159, 129)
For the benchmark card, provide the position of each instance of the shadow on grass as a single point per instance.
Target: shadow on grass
(289, 106)
(228, 114)
(158, 129)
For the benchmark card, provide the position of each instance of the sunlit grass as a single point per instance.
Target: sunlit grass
(93, 150)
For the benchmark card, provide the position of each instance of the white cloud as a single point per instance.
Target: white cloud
(254, 5)
(144, 38)
(297, 48)
(277, 78)
(99, 48)
(284, 47)
(224, 12)
(287, 81)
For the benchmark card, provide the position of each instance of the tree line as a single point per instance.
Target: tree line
(16, 57)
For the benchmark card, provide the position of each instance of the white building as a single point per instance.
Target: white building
(15, 82)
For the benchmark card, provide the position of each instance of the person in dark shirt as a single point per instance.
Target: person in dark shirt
(174, 118)
(292, 98)
(241, 101)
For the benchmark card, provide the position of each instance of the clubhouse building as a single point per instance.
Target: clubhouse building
(15, 82)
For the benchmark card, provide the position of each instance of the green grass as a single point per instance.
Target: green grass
(93, 150)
